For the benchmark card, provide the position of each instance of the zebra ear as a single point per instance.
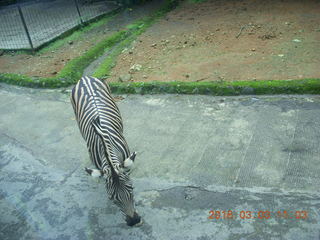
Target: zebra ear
(133, 156)
(129, 161)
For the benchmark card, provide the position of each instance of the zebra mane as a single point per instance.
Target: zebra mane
(98, 130)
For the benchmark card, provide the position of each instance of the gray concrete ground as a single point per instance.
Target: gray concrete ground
(197, 153)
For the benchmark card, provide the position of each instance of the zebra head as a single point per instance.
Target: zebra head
(120, 190)
(118, 183)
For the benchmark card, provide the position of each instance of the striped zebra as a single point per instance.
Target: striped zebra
(100, 124)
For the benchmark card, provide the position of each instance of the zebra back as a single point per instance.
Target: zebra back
(100, 123)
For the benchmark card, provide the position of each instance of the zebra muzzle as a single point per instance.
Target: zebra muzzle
(134, 221)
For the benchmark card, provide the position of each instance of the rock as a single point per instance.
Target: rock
(135, 67)
(125, 78)
(153, 45)
(253, 49)
(130, 52)
(70, 42)
(296, 40)
(145, 76)
(1, 52)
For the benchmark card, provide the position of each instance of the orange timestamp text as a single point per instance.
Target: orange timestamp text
(261, 214)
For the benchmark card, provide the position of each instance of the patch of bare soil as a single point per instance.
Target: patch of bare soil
(50, 63)
(228, 40)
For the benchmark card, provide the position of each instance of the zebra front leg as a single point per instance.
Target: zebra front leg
(94, 172)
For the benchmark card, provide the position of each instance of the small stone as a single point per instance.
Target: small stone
(296, 40)
(145, 76)
(54, 73)
(136, 67)
(130, 52)
(70, 42)
(154, 45)
(125, 78)
(187, 75)
(253, 49)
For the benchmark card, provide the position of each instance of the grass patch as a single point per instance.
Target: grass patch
(196, 1)
(72, 72)
(305, 86)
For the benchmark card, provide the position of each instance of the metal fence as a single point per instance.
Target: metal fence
(29, 24)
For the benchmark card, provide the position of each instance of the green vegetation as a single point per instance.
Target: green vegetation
(71, 73)
(196, 1)
(306, 86)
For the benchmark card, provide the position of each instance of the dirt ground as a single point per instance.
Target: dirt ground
(228, 40)
(208, 41)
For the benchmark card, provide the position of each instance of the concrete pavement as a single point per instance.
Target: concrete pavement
(254, 154)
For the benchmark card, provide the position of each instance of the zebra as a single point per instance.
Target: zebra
(101, 126)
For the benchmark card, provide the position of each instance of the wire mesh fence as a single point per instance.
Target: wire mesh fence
(29, 24)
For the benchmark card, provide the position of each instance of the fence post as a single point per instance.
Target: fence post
(25, 27)
(78, 10)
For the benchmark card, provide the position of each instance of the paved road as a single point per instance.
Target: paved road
(197, 153)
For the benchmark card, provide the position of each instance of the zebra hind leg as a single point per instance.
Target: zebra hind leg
(94, 172)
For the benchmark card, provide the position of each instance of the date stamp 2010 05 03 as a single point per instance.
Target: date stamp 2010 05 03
(262, 214)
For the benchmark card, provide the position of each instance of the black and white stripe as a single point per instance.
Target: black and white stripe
(100, 124)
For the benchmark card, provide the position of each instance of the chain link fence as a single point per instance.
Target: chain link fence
(29, 24)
